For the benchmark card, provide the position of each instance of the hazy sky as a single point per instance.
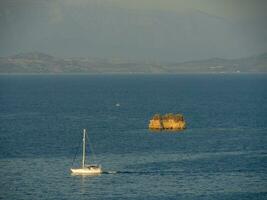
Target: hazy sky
(151, 30)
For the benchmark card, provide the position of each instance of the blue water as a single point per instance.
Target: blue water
(221, 155)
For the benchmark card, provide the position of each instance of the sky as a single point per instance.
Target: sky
(139, 30)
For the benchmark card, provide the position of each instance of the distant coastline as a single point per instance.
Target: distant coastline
(131, 74)
(40, 63)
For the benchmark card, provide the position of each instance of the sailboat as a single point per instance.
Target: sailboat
(92, 169)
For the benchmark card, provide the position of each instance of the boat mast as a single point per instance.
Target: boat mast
(83, 161)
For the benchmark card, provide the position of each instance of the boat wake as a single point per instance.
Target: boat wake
(143, 172)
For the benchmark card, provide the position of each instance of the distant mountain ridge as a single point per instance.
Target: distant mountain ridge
(36, 62)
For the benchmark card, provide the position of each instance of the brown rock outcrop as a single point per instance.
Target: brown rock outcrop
(167, 122)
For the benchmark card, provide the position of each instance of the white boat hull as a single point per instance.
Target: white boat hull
(86, 171)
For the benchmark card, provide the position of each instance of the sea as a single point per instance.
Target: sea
(221, 155)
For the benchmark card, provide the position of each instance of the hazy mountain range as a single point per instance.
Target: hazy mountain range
(161, 31)
(42, 63)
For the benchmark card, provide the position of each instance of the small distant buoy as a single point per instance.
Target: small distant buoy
(117, 104)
